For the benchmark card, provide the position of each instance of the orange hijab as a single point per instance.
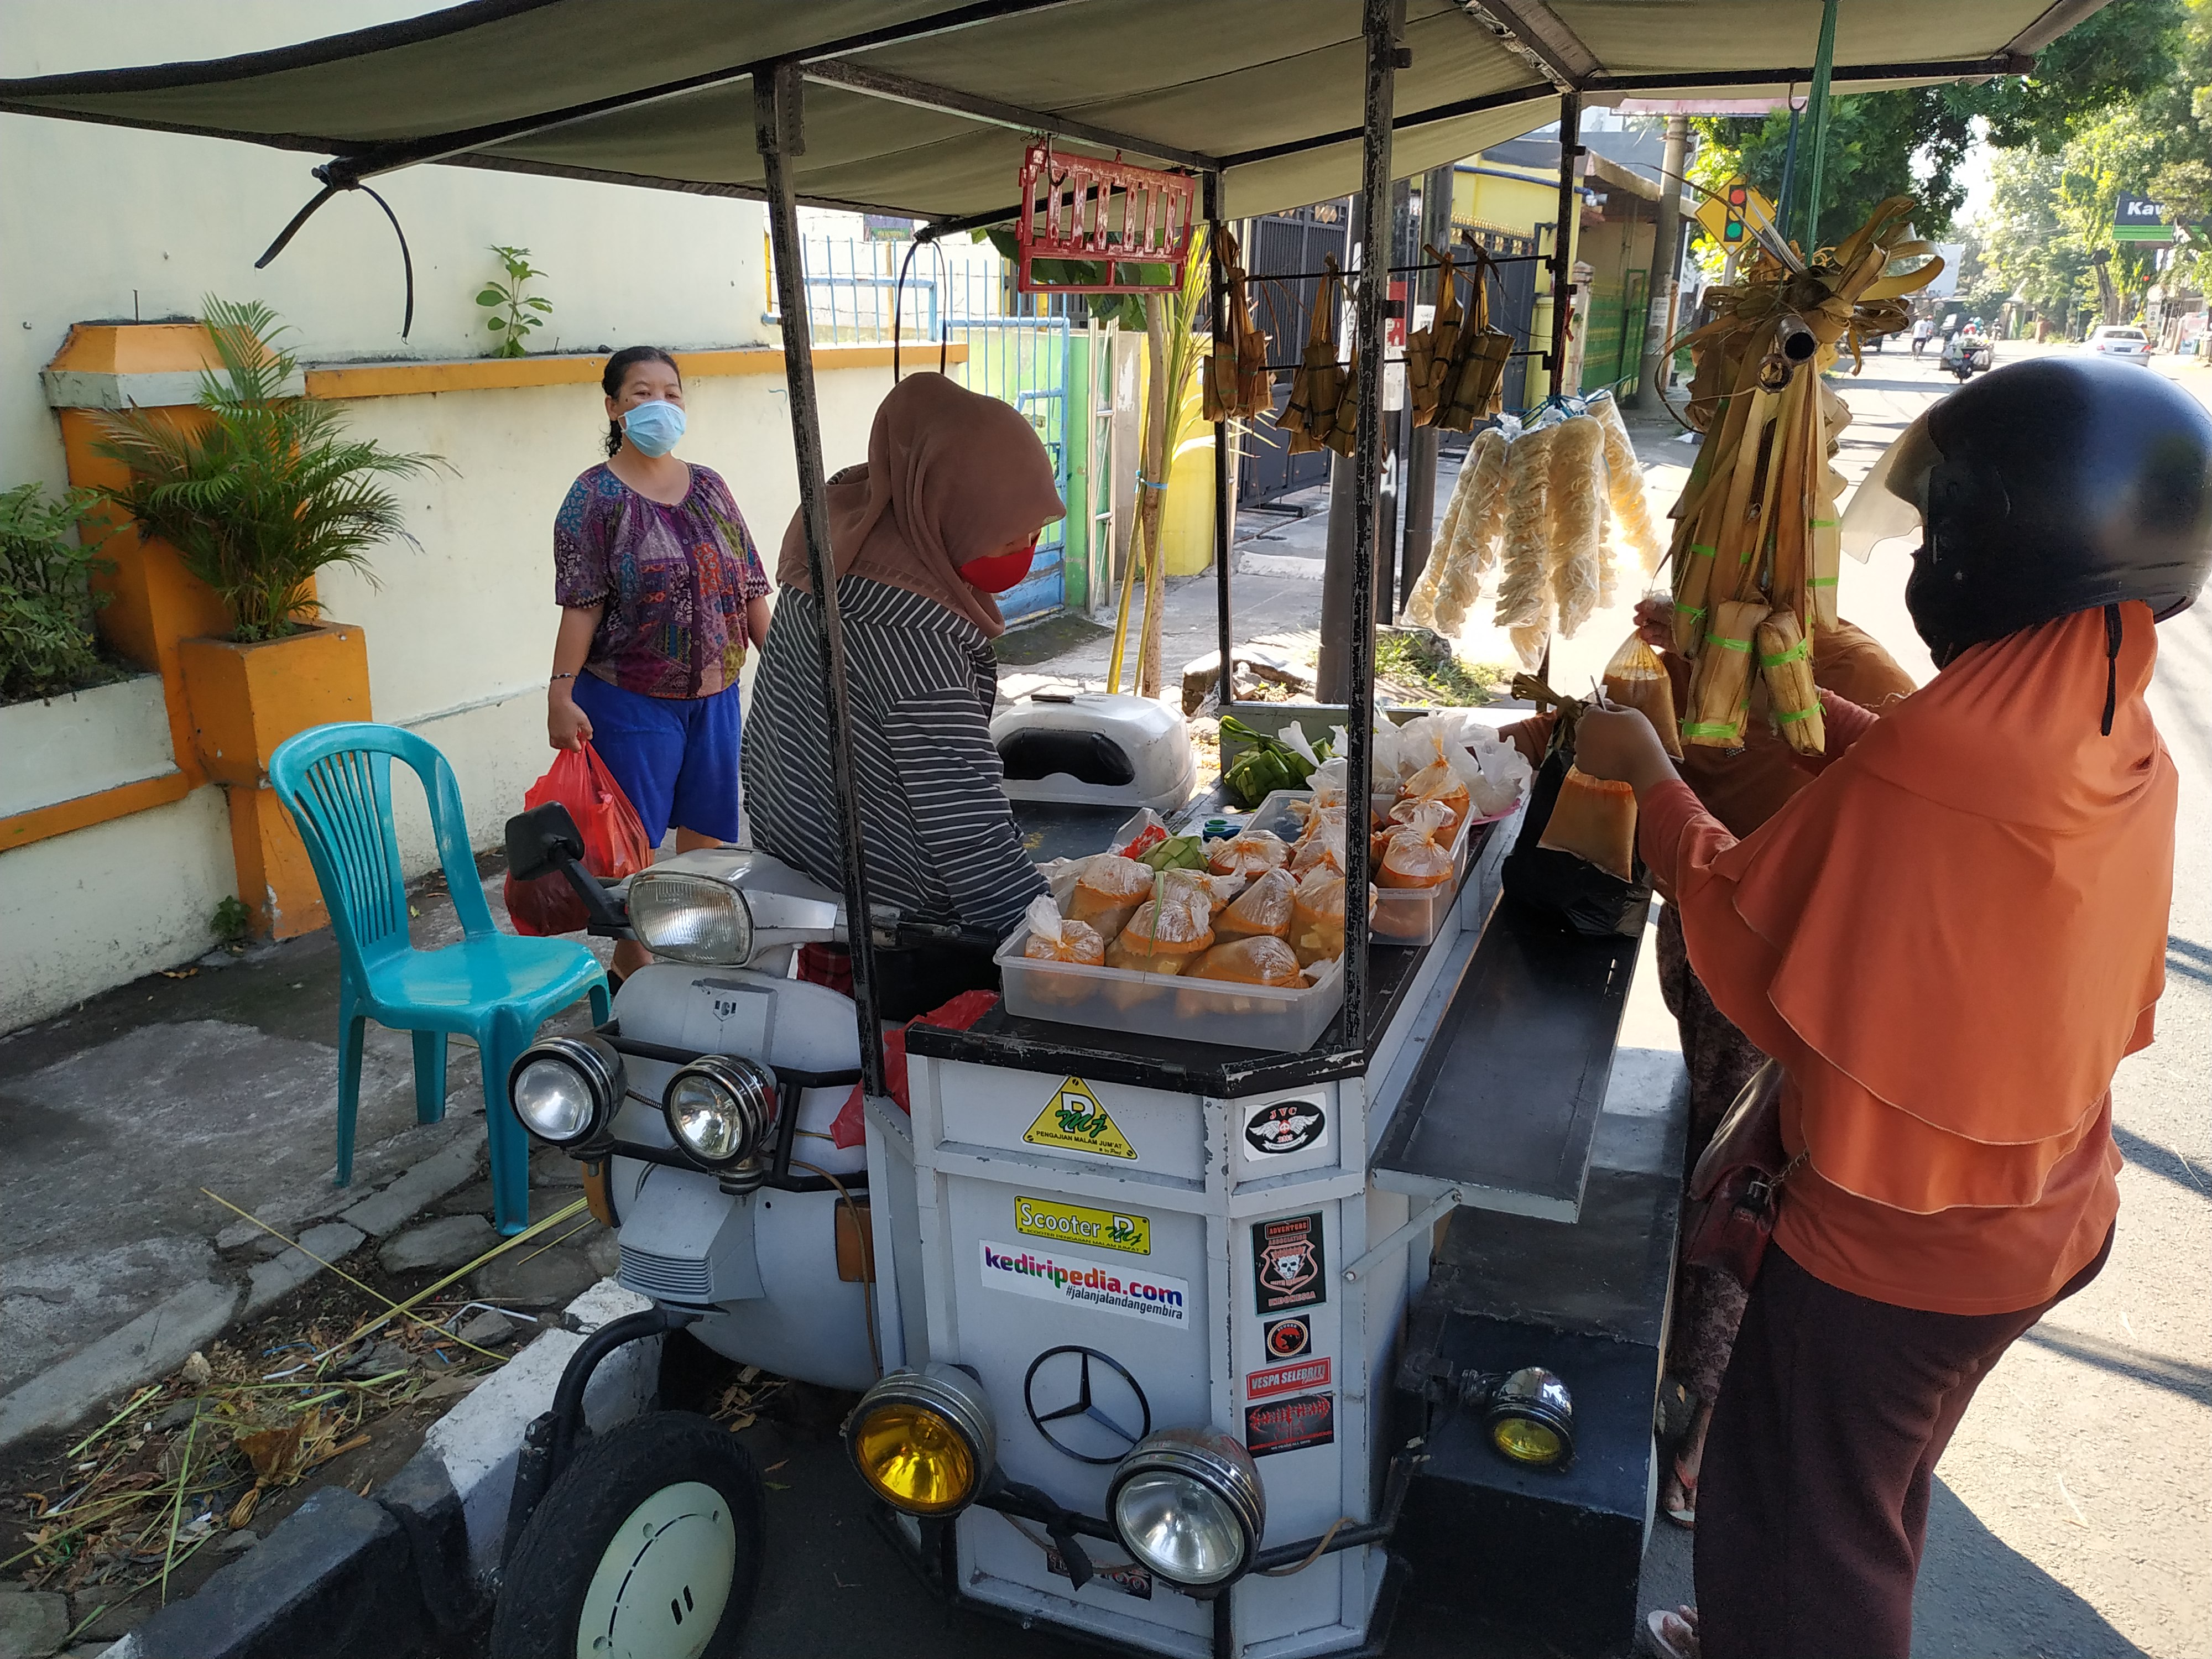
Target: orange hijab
(951, 475)
(1968, 914)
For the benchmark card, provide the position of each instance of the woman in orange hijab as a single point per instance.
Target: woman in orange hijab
(1949, 942)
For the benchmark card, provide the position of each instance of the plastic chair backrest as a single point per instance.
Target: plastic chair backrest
(336, 780)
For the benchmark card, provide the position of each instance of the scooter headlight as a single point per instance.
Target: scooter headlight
(1531, 1418)
(565, 1089)
(924, 1441)
(1188, 1503)
(720, 1109)
(691, 919)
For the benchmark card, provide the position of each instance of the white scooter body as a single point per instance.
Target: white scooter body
(762, 1268)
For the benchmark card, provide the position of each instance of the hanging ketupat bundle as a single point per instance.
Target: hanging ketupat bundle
(1785, 661)
(1238, 384)
(1720, 688)
(1756, 524)
(1478, 361)
(1429, 350)
(1318, 385)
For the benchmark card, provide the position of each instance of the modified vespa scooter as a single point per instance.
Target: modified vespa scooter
(705, 1118)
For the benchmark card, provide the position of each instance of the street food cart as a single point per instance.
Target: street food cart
(1183, 1347)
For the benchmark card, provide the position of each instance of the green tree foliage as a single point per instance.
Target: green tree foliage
(2049, 230)
(262, 490)
(46, 601)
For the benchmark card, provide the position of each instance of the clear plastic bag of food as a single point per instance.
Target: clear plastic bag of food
(1199, 887)
(1320, 848)
(1317, 918)
(1501, 776)
(1418, 854)
(1164, 935)
(1261, 959)
(1106, 892)
(1055, 938)
(1595, 819)
(1636, 678)
(1263, 908)
(1251, 852)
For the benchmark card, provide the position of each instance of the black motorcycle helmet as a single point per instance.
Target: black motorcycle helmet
(2046, 488)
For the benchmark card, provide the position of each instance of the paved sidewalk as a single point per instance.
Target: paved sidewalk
(114, 1263)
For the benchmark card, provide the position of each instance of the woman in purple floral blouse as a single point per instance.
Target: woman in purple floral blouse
(661, 590)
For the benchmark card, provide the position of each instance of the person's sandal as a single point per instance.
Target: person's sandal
(1671, 1635)
(1684, 1513)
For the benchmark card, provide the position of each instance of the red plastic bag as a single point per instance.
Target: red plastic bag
(614, 841)
(963, 1010)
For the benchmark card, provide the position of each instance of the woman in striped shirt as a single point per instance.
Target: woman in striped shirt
(945, 514)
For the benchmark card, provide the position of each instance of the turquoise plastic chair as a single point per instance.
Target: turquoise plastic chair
(497, 988)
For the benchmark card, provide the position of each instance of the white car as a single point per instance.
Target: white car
(2120, 342)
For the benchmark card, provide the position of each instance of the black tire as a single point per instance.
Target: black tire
(543, 1594)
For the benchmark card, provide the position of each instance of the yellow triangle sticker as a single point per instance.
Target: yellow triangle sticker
(1074, 1121)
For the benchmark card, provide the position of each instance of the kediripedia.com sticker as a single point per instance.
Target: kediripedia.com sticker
(1075, 1282)
(1074, 1121)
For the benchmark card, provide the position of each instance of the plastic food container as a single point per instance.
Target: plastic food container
(1283, 1018)
(1403, 915)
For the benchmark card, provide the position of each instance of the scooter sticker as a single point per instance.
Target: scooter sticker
(1072, 1224)
(1076, 1283)
(1292, 1425)
(1289, 1267)
(1286, 1339)
(1074, 1120)
(1287, 1379)
(1287, 1126)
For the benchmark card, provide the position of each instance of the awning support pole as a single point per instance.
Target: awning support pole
(1224, 476)
(1562, 242)
(779, 127)
(1384, 26)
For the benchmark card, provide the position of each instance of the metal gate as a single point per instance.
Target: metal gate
(1289, 242)
(967, 300)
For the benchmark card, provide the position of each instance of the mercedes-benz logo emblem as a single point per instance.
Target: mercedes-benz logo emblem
(1086, 1404)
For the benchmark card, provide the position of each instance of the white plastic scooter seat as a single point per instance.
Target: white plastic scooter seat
(1094, 748)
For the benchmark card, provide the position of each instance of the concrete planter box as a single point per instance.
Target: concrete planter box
(246, 699)
(80, 743)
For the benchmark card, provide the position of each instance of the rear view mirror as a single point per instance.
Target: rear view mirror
(536, 839)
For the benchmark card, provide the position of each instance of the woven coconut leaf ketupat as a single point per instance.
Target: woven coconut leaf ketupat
(1317, 387)
(1238, 384)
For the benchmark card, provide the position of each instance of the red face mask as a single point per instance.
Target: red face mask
(996, 572)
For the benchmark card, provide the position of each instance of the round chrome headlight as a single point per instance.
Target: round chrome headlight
(565, 1089)
(1531, 1418)
(924, 1441)
(720, 1109)
(1188, 1503)
(688, 917)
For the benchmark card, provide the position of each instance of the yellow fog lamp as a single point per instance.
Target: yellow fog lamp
(1530, 1418)
(1188, 1503)
(924, 1441)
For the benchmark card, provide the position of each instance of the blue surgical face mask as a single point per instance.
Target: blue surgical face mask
(654, 428)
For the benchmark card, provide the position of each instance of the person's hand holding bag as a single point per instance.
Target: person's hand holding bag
(1620, 744)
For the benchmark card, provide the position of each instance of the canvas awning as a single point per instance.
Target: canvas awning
(921, 107)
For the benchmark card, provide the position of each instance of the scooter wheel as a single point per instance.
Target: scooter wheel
(648, 1544)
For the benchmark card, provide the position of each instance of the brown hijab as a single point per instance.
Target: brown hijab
(951, 475)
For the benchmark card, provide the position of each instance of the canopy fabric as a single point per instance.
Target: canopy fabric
(658, 92)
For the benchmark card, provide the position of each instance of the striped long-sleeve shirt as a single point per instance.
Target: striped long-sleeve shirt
(939, 839)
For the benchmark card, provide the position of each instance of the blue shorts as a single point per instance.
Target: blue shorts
(675, 757)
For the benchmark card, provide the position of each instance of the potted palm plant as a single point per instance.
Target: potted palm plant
(258, 490)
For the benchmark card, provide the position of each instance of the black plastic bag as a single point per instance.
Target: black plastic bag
(1588, 899)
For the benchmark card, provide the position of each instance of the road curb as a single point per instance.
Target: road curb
(380, 1578)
